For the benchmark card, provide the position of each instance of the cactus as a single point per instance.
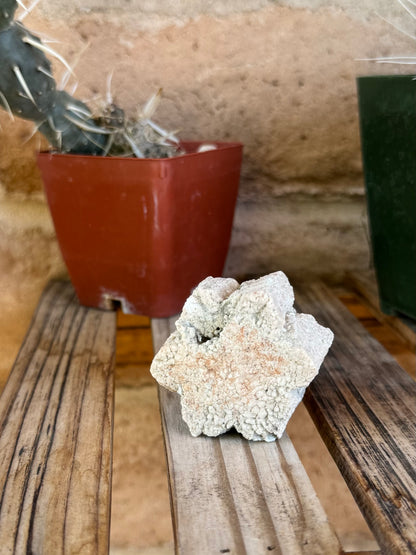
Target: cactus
(28, 90)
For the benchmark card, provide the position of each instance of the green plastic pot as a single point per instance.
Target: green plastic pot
(387, 108)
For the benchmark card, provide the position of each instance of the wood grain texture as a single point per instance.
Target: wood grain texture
(364, 406)
(56, 416)
(233, 496)
(134, 346)
(366, 286)
(386, 335)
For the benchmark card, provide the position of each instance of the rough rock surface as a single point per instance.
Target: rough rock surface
(241, 357)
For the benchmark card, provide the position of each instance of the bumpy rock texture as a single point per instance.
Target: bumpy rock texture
(241, 357)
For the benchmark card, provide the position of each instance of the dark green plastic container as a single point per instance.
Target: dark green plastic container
(387, 106)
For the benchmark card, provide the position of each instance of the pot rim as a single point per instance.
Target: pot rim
(221, 146)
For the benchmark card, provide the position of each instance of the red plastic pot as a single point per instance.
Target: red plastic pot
(143, 232)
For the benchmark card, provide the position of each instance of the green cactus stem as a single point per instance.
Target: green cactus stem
(7, 10)
(28, 90)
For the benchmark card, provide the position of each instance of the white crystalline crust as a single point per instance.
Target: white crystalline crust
(241, 357)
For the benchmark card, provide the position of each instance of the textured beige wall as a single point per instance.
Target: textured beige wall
(277, 76)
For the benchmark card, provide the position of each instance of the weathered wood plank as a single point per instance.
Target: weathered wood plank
(131, 321)
(56, 431)
(383, 332)
(364, 405)
(229, 495)
(134, 346)
(366, 285)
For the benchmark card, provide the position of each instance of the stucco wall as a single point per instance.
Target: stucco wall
(277, 76)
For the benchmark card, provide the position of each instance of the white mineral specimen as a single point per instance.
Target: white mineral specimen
(241, 357)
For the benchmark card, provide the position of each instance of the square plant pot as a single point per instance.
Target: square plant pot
(143, 232)
(387, 107)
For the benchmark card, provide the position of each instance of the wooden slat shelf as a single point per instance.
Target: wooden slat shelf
(56, 416)
(363, 404)
(228, 495)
